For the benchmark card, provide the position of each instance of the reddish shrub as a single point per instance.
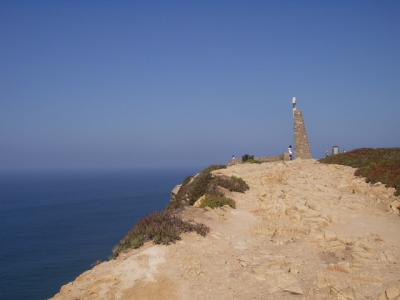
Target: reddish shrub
(376, 165)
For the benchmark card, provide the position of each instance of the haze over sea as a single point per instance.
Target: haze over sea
(55, 225)
(167, 84)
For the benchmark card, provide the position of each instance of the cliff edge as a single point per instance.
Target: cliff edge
(304, 230)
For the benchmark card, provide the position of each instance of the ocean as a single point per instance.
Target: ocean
(55, 225)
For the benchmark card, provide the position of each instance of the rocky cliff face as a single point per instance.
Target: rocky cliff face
(304, 230)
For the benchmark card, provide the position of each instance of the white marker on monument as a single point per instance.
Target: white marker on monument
(294, 104)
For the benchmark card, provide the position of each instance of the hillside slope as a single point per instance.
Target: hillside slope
(375, 164)
(304, 230)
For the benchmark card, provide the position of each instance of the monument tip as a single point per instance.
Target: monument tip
(294, 104)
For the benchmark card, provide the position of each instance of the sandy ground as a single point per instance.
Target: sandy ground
(304, 230)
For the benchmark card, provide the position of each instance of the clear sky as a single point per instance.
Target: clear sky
(132, 84)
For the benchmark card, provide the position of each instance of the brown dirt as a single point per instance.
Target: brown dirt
(304, 230)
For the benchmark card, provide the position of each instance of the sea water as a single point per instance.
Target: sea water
(55, 225)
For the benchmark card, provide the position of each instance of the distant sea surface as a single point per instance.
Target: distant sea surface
(54, 226)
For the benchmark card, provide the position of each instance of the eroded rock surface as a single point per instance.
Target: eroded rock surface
(304, 230)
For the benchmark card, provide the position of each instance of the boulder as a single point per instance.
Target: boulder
(395, 206)
(199, 201)
(176, 189)
(329, 235)
(392, 292)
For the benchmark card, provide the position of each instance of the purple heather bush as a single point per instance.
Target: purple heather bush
(375, 164)
(159, 227)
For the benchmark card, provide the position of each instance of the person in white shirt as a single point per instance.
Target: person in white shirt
(290, 152)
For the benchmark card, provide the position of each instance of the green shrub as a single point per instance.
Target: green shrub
(247, 157)
(214, 201)
(161, 228)
(253, 161)
(190, 192)
(199, 186)
(250, 159)
(380, 164)
(205, 183)
(233, 183)
(193, 187)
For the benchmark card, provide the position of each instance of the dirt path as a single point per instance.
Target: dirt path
(304, 230)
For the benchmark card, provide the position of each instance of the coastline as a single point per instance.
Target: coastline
(280, 241)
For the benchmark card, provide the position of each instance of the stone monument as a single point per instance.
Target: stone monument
(303, 149)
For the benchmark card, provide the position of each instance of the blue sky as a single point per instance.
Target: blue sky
(129, 84)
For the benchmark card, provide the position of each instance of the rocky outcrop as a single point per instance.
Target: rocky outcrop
(304, 230)
(175, 192)
(395, 206)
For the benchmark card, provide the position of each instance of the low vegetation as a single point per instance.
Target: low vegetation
(376, 165)
(159, 227)
(205, 183)
(166, 227)
(233, 183)
(214, 201)
(191, 191)
(247, 158)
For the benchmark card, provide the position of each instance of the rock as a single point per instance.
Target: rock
(382, 297)
(243, 263)
(295, 290)
(289, 283)
(395, 206)
(329, 235)
(322, 281)
(317, 234)
(346, 294)
(342, 266)
(392, 292)
(176, 189)
(311, 205)
(199, 201)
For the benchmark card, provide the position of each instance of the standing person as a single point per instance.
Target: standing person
(233, 157)
(290, 152)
